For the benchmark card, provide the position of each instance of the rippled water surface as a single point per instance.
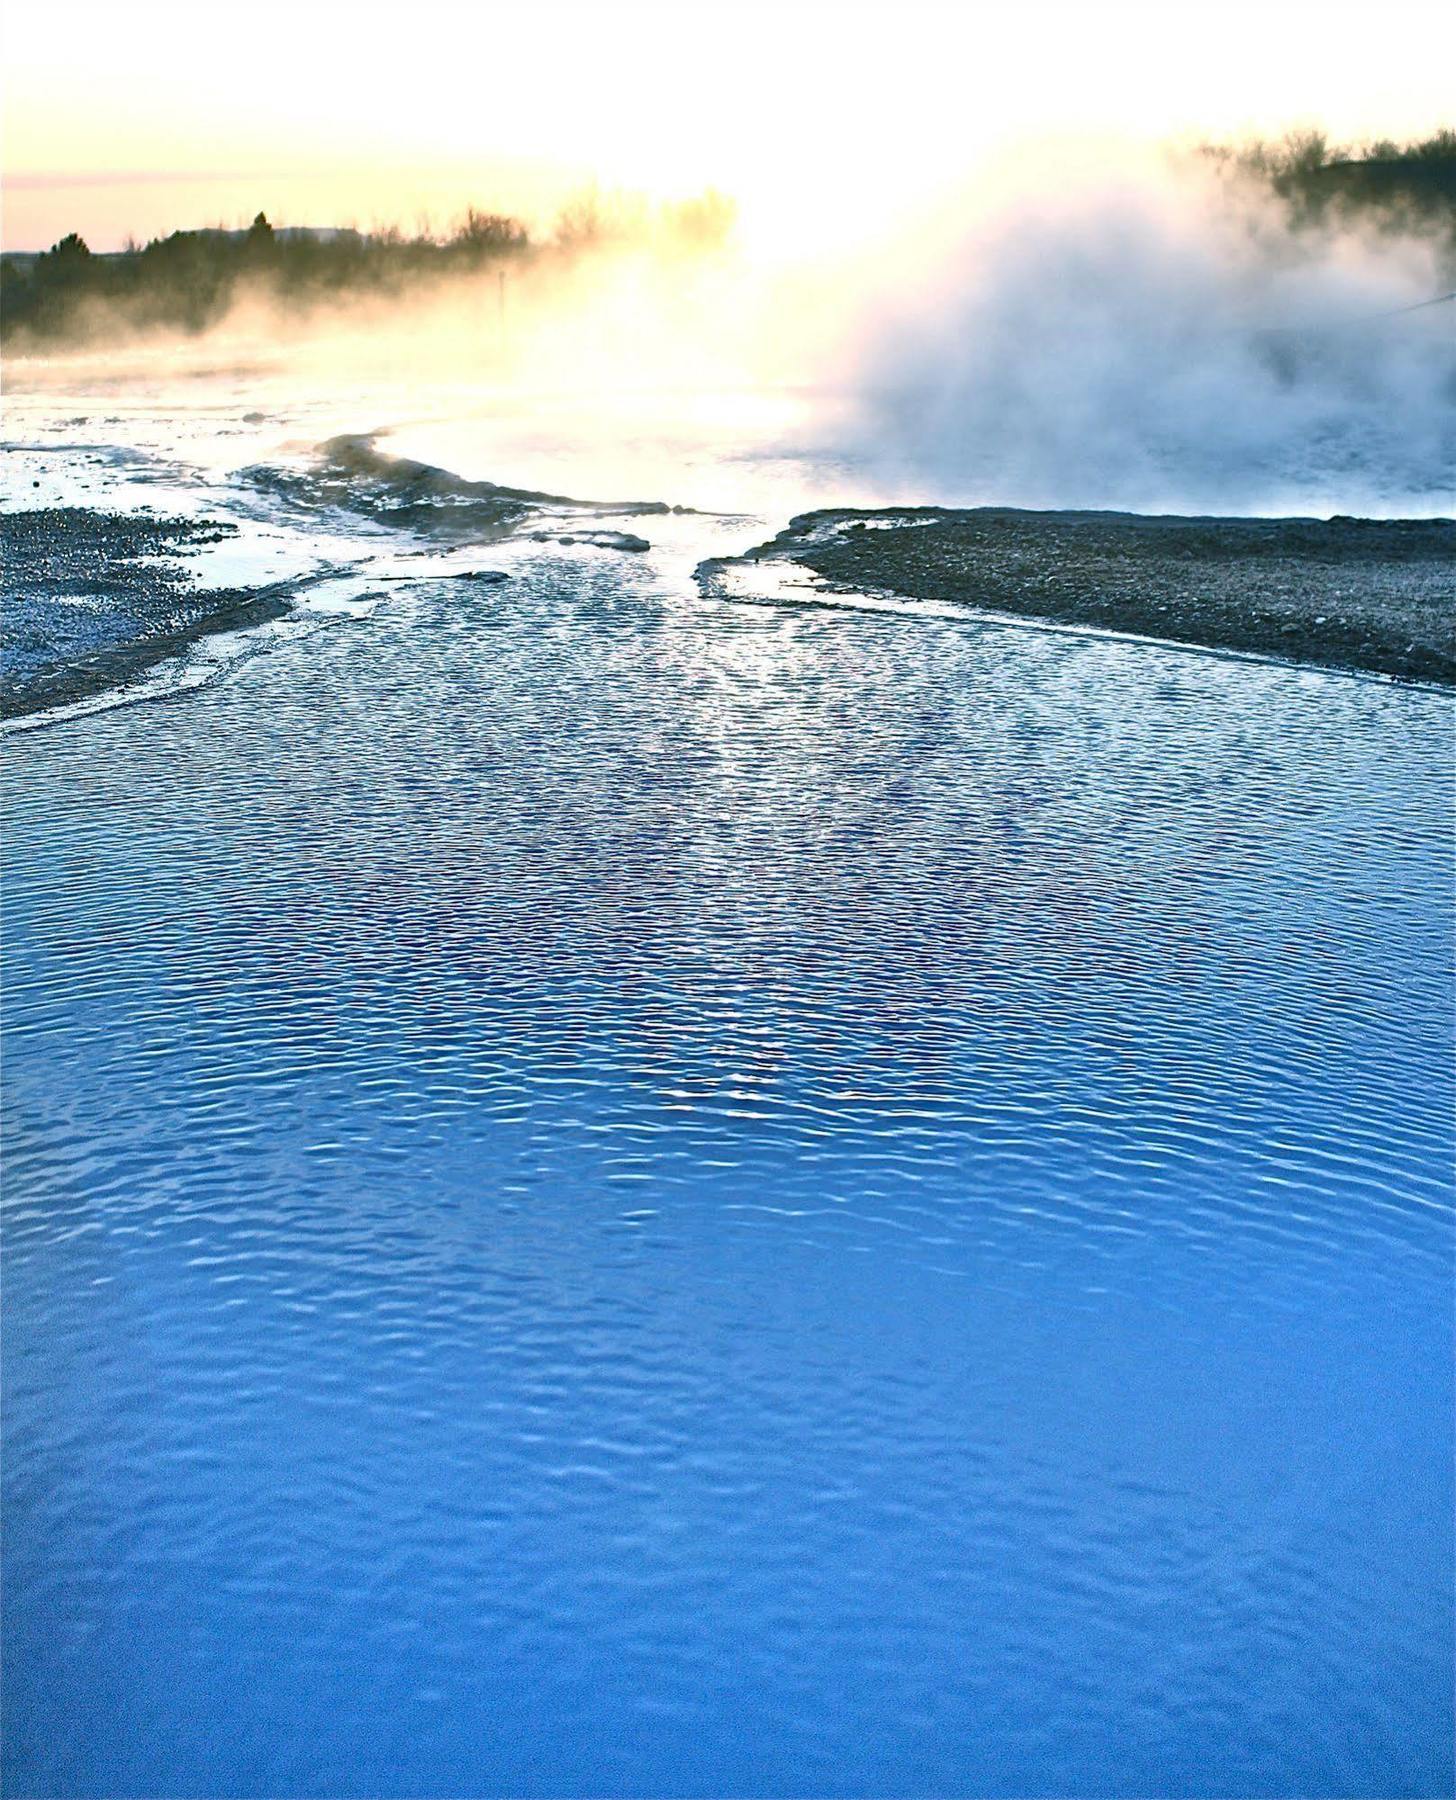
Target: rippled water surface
(613, 1195)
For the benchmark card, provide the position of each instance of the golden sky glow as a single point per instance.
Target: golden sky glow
(145, 117)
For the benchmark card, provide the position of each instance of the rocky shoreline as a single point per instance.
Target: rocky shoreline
(95, 599)
(1373, 595)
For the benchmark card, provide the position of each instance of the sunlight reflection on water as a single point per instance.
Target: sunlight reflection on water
(617, 1194)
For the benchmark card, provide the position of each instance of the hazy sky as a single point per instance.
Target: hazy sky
(146, 116)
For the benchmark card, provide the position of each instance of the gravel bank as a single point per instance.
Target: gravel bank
(93, 599)
(1367, 594)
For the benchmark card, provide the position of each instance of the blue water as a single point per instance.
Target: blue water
(611, 1195)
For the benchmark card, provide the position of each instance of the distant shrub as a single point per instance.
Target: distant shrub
(1397, 189)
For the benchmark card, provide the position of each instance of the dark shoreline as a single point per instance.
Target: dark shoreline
(1373, 595)
(95, 600)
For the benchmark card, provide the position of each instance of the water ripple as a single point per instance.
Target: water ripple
(618, 1194)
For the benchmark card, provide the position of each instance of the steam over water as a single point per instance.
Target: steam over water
(616, 1192)
(1140, 336)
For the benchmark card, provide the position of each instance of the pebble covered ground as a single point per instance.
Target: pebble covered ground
(92, 599)
(1375, 595)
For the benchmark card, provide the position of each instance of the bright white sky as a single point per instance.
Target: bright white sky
(156, 114)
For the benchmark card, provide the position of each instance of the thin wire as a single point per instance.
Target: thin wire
(1420, 305)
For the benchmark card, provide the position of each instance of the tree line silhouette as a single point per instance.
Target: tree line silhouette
(188, 280)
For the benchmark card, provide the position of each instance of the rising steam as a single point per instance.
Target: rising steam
(1154, 335)
(1162, 340)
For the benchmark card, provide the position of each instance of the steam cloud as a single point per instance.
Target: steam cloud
(1155, 337)
(1162, 344)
